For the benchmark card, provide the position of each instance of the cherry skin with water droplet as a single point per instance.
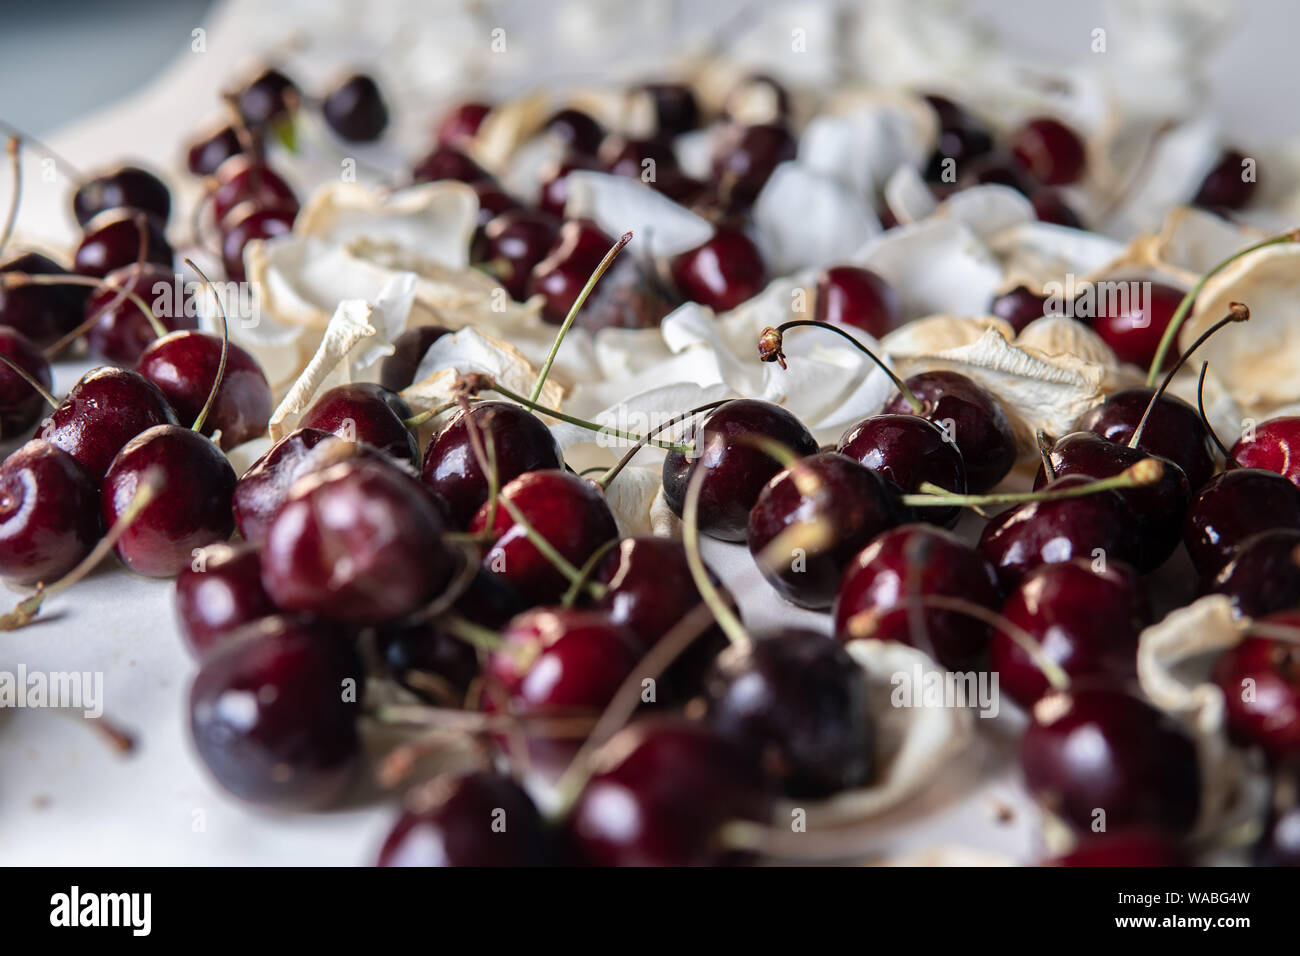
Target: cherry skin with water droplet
(364, 412)
(219, 592)
(49, 514)
(909, 450)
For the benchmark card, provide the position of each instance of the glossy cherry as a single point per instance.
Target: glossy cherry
(364, 412)
(248, 179)
(245, 223)
(123, 332)
(561, 276)
(112, 241)
(20, 404)
(461, 122)
(267, 97)
(995, 169)
(1225, 186)
(1233, 506)
(1273, 445)
(1261, 575)
(1133, 325)
(848, 295)
(447, 162)
(265, 485)
(513, 243)
(676, 109)
(1260, 680)
(355, 109)
(909, 450)
(554, 184)
(127, 187)
(1049, 150)
(577, 130)
(207, 153)
(723, 272)
(1018, 307)
(397, 371)
(219, 592)
(961, 137)
(1174, 430)
(744, 157)
(49, 514)
(43, 313)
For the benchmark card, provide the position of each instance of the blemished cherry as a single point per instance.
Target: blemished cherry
(1279, 845)
(184, 366)
(836, 499)
(192, 509)
(248, 179)
(359, 542)
(848, 295)
(1274, 445)
(723, 272)
(1018, 307)
(1051, 151)
(972, 418)
(397, 371)
(1225, 186)
(472, 819)
(554, 192)
(918, 560)
(123, 333)
(208, 152)
(561, 276)
(104, 410)
(43, 313)
(1134, 328)
(1261, 575)
(273, 713)
(127, 187)
(365, 412)
(1085, 620)
(451, 469)
(513, 243)
(736, 468)
(1135, 847)
(1102, 749)
(112, 241)
(268, 97)
(1050, 206)
(909, 450)
(219, 592)
(49, 514)
(577, 130)
(447, 162)
(800, 703)
(1174, 430)
(355, 109)
(1233, 506)
(661, 793)
(20, 404)
(492, 201)
(1260, 680)
(745, 156)
(245, 223)
(461, 123)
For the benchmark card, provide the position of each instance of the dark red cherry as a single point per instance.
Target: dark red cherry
(646, 160)
(127, 187)
(745, 156)
(1133, 325)
(561, 276)
(112, 240)
(1260, 680)
(447, 162)
(554, 194)
(1274, 445)
(723, 272)
(358, 542)
(972, 418)
(909, 450)
(365, 412)
(355, 109)
(461, 123)
(245, 223)
(577, 130)
(429, 661)
(217, 593)
(841, 505)
(1279, 845)
(1049, 150)
(630, 295)
(451, 468)
(1097, 525)
(918, 560)
(49, 514)
(1233, 506)
(675, 107)
(847, 295)
(20, 404)
(1102, 756)
(1174, 430)
(1019, 307)
(1225, 186)
(1137, 847)
(104, 410)
(191, 510)
(184, 366)
(474, 819)
(1050, 206)
(397, 371)
(264, 487)
(123, 333)
(207, 153)
(994, 169)
(800, 703)
(961, 137)
(268, 97)
(1261, 575)
(736, 469)
(43, 313)
(273, 713)
(247, 179)
(492, 201)
(661, 794)
(513, 243)
(567, 511)
(1085, 619)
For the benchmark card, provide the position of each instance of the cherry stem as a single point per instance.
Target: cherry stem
(475, 635)
(623, 462)
(1184, 307)
(69, 170)
(1145, 472)
(578, 303)
(18, 279)
(428, 415)
(11, 147)
(585, 572)
(1045, 453)
(151, 483)
(726, 618)
(1237, 312)
(1200, 408)
(30, 379)
(548, 551)
(771, 342)
(225, 348)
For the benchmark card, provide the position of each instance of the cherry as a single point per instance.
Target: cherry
(1102, 750)
(561, 276)
(723, 272)
(473, 819)
(245, 223)
(841, 504)
(1225, 186)
(268, 97)
(365, 412)
(1134, 325)
(358, 542)
(429, 661)
(646, 160)
(737, 469)
(1274, 445)
(1233, 506)
(219, 592)
(264, 487)
(848, 295)
(112, 240)
(1280, 843)
(247, 179)
(577, 130)
(193, 510)
(1261, 575)
(661, 793)
(43, 313)
(1085, 620)
(104, 410)
(355, 109)
(744, 157)
(1049, 151)
(630, 296)
(49, 514)
(513, 243)
(451, 467)
(206, 154)
(917, 560)
(20, 404)
(972, 418)
(492, 201)
(961, 137)
(554, 177)
(995, 169)
(273, 713)
(1019, 307)
(1050, 206)
(184, 366)
(799, 702)
(127, 187)
(1137, 847)
(1174, 430)
(398, 370)
(447, 162)
(123, 332)
(461, 123)
(1260, 680)
(675, 107)
(566, 511)
(909, 450)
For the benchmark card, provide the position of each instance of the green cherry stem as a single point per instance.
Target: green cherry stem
(771, 342)
(548, 551)
(1145, 472)
(18, 279)
(726, 617)
(225, 348)
(623, 462)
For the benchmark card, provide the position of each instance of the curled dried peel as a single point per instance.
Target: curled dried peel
(1036, 253)
(935, 333)
(1054, 335)
(472, 350)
